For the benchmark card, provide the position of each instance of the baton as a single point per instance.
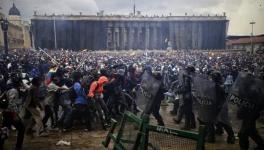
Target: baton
(48, 56)
(82, 60)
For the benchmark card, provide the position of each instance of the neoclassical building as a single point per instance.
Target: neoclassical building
(1, 34)
(120, 32)
(18, 30)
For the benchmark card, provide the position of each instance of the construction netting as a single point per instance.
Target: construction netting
(129, 134)
(134, 132)
(164, 141)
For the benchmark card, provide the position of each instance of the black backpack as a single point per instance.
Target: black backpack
(4, 101)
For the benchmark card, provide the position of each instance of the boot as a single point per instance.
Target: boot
(173, 112)
(219, 131)
(160, 122)
(192, 122)
(231, 139)
(187, 125)
(259, 148)
(210, 139)
(186, 128)
(193, 125)
(177, 121)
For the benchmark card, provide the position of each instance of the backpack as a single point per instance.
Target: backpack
(4, 101)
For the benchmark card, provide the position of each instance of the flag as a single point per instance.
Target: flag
(49, 75)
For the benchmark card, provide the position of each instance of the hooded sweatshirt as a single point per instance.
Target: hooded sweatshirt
(97, 86)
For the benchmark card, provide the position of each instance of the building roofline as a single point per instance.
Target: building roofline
(246, 40)
(129, 18)
(14, 11)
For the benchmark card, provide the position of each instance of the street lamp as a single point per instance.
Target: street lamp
(252, 47)
(4, 26)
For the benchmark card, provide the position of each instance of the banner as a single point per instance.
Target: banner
(146, 93)
(247, 91)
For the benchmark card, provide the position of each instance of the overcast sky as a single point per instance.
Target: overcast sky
(239, 12)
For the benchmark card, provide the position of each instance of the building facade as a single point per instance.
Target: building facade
(1, 34)
(15, 36)
(128, 32)
(18, 30)
(246, 43)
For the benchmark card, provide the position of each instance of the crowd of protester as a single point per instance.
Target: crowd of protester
(42, 90)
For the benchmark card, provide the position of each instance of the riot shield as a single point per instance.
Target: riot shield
(247, 91)
(204, 88)
(181, 76)
(147, 92)
(205, 93)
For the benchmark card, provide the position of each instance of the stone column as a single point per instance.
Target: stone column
(126, 38)
(122, 38)
(137, 38)
(177, 35)
(194, 35)
(114, 39)
(181, 35)
(139, 35)
(158, 38)
(154, 45)
(200, 35)
(131, 38)
(171, 35)
(147, 37)
(117, 39)
(109, 38)
(135, 43)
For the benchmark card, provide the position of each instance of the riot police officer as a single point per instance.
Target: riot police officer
(221, 111)
(248, 126)
(186, 91)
